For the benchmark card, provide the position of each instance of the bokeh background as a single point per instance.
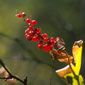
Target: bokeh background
(65, 18)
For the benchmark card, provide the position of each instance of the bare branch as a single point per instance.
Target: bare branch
(11, 75)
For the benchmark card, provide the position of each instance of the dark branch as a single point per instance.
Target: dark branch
(11, 75)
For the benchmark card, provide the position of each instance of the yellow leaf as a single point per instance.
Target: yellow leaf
(77, 54)
(67, 71)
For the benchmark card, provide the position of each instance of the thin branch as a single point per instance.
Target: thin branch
(11, 75)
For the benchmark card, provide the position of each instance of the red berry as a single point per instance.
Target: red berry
(28, 20)
(52, 40)
(35, 38)
(31, 32)
(34, 22)
(30, 28)
(46, 39)
(44, 35)
(38, 30)
(28, 37)
(47, 47)
(21, 14)
(40, 44)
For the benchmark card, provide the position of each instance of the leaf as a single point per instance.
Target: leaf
(66, 71)
(61, 56)
(62, 72)
(77, 54)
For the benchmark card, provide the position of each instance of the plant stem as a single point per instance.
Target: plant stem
(75, 76)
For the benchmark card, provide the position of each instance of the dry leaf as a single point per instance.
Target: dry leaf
(61, 56)
(77, 53)
(62, 72)
(11, 81)
(3, 72)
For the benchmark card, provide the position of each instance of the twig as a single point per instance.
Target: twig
(11, 75)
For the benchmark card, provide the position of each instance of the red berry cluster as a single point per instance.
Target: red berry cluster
(34, 34)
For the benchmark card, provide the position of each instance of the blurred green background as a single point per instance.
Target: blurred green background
(63, 18)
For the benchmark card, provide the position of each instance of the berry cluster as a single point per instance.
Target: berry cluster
(35, 34)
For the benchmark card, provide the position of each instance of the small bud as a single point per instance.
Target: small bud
(21, 15)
